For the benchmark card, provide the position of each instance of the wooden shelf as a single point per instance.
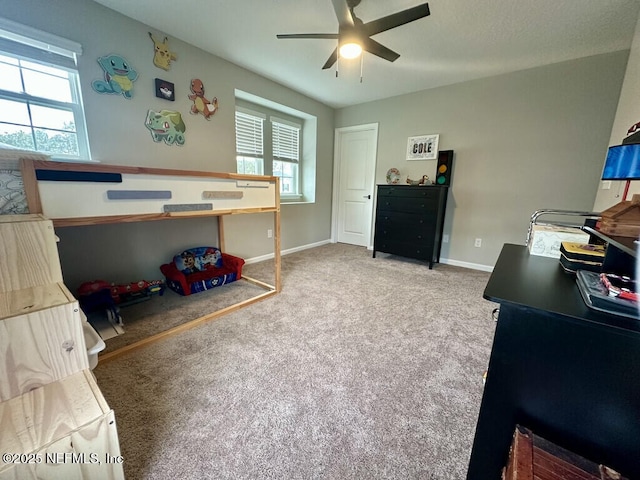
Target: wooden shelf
(32, 299)
(51, 423)
(30, 256)
(55, 422)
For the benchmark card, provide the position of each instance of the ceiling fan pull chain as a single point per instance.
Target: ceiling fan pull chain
(338, 63)
(361, 66)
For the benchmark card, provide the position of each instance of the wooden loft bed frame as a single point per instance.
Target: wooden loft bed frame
(167, 193)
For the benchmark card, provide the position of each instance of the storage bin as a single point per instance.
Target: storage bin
(94, 343)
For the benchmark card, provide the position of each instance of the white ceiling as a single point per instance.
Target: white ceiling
(461, 40)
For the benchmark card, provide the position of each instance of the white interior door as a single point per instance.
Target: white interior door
(354, 175)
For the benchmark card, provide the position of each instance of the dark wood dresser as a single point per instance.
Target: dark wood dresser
(409, 221)
(561, 369)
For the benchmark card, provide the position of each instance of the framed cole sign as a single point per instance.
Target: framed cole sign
(423, 147)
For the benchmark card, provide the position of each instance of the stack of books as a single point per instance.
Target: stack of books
(581, 256)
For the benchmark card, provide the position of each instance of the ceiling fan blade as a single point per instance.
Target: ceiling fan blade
(332, 36)
(379, 50)
(333, 58)
(343, 13)
(396, 19)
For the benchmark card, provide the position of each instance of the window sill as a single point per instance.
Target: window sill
(73, 160)
(295, 201)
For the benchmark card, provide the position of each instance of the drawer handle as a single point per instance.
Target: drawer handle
(419, 236)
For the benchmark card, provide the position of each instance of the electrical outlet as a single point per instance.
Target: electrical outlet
(478, 243)
(606, 185)
(445, 238)
(269, 233)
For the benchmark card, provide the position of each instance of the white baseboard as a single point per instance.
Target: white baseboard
(270, 256)
(457, 263)
(447, 261)
(472, 266)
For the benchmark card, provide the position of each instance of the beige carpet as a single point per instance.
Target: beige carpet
(161, 313)
(361, 368)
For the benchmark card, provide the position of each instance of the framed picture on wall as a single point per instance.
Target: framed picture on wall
(165, 90)
(423, 147)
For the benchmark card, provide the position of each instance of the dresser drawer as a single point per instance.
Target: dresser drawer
(409, 191)
(406, 235)
(404, 248)
(407, 205)
(406, 225)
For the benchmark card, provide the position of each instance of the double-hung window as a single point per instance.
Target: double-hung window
(269, 145)
(40, 102)
(286, 154)
(250, 142)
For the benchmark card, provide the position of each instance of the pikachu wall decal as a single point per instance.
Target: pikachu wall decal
(162, 56)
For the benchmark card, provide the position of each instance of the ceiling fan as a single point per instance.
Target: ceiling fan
(352, 30)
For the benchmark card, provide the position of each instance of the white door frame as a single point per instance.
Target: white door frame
(336, 178)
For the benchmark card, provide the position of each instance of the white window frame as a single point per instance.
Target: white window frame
(249, 140)
(28, 44)
(270, 151)
(285, 147)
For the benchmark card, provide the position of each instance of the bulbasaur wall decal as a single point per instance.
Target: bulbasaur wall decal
(167, 126)
(118, 76)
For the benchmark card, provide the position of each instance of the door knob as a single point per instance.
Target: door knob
(366, 196)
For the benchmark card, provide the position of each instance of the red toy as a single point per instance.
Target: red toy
(123, 293)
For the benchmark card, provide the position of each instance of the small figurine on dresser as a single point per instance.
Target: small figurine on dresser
(423, 181)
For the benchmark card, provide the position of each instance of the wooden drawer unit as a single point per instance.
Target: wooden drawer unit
(30, 255)
(61, 431)
(41, 338)
(54, 421)
(409, 221)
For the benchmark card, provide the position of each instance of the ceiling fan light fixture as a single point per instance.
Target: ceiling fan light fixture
(350, 50)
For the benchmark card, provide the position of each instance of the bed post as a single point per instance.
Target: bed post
(221, 244)
(30, 185)
(276, 237)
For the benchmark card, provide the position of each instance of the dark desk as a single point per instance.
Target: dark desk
(568, 373)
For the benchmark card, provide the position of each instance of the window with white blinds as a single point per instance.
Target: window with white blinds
(249, 134)
(269, 147)
(286, 142)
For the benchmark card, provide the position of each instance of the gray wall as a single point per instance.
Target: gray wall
(117, 135)
(627, 114)
(523, 141)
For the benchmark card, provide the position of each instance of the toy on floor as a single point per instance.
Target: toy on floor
(136, 291)
(201, 268)
(96, 296)
(101, 295)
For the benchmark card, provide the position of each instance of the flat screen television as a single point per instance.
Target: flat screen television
(623, 163)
